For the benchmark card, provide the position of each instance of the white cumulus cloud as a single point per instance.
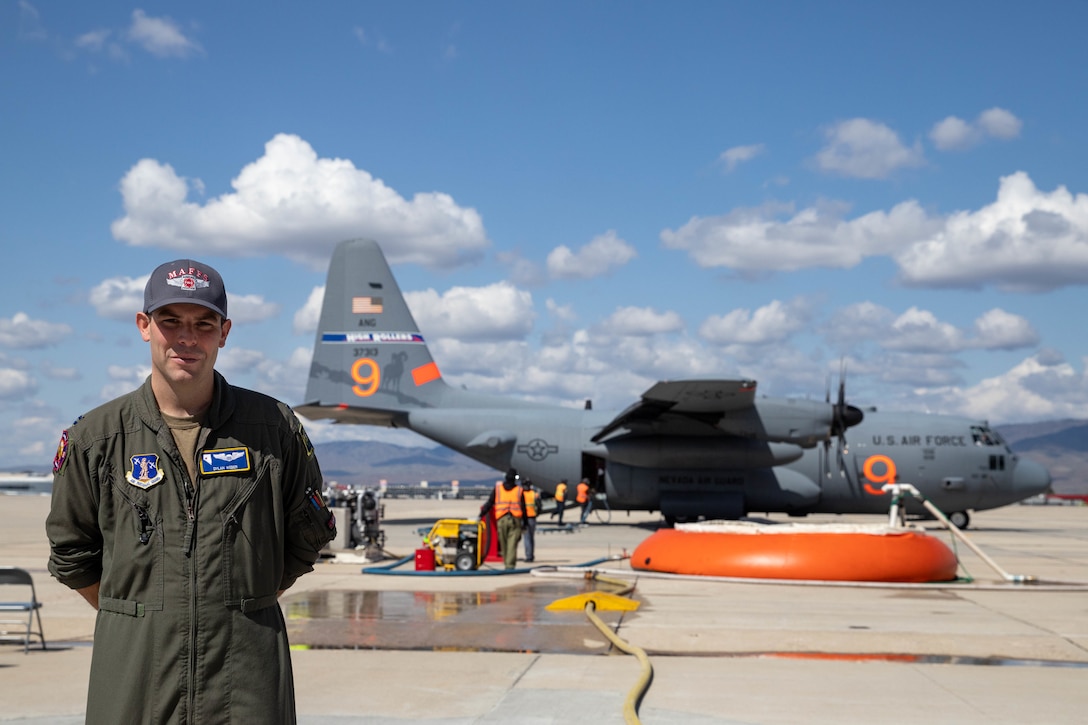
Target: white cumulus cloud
(603, 254)
(309, 314)
(1026, 240)
(774, 322)
(1035, 389)
(774, 238)
(953, 133)
(733, 157)
(919, 330)
(642, 321)
(161, 37)
(866, 149)
(123, 379)
(250, 308)
(1000, 330)
(294, 203)
(16, 384)
(119, 298)
(498, 312)
(22, 332)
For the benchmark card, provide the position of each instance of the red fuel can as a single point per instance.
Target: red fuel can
(425, 559)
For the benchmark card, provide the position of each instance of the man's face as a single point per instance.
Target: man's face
(185, 340)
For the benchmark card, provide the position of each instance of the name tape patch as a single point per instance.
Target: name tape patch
(224, 460)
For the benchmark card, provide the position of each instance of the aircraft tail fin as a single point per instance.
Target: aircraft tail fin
(370, 364)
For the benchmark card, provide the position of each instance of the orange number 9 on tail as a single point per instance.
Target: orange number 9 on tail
(367, 374)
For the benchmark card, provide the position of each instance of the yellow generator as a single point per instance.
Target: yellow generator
(459, 544)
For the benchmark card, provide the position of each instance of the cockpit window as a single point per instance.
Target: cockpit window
(985, 436)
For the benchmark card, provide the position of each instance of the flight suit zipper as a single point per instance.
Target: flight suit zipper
(192, 497)
(190, 517)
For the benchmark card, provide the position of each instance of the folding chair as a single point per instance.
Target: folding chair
(13, 575)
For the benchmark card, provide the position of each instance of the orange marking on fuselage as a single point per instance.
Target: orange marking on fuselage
(425, 374)
(889, 475)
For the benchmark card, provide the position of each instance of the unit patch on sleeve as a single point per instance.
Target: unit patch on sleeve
(306, 441)
(62, 453)
(224, 460)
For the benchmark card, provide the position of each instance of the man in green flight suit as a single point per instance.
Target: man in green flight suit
(181, 511)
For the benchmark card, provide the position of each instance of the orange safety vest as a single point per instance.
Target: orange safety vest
(507, 502)
(530, 504)
(583, 492)
(561, 492)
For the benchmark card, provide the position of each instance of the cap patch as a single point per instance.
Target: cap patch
(188, 281)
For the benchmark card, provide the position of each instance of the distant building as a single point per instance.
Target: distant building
(26, 483)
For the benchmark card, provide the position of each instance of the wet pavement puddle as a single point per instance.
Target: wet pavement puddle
(512, 619)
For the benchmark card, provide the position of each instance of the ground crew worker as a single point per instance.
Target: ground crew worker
(532, 504)
(560, 499)
(582, 497)
(508, 500)
(181, 511)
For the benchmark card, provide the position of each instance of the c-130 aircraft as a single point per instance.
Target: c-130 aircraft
(687, 448)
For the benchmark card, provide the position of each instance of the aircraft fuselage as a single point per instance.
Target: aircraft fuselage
(957, 463)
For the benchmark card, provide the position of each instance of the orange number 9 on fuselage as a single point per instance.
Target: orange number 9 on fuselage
(887, 477)
(368, 376)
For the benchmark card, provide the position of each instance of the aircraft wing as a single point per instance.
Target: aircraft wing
(702, 401)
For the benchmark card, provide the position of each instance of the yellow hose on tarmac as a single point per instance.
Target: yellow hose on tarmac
(635, 695)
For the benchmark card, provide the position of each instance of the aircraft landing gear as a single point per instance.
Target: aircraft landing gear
(960, 519)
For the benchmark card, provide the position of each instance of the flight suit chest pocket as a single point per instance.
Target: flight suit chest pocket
(251, 545)
(133, 567)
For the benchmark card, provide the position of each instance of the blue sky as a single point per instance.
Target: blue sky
(578, 198)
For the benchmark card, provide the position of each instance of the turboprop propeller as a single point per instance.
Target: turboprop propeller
(843, 416)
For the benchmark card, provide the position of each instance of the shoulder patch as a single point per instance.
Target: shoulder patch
(306, 441)
(62, 452)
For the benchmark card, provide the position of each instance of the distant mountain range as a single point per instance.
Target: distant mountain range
(367, 464)
(1060, 445)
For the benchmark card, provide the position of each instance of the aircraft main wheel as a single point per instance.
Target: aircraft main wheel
(465, 561)
(960, 519)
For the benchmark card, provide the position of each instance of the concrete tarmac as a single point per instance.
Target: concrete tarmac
(393, 648)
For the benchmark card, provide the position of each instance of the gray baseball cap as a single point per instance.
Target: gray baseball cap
(185, 281)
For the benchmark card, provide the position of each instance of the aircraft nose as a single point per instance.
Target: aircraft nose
(1030, 478)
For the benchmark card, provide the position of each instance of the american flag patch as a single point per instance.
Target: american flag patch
(366, 305)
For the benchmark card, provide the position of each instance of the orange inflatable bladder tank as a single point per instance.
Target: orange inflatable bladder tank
(831, 552)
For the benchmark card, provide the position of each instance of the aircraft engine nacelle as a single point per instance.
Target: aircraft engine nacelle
(698, 453)
(790, 420)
